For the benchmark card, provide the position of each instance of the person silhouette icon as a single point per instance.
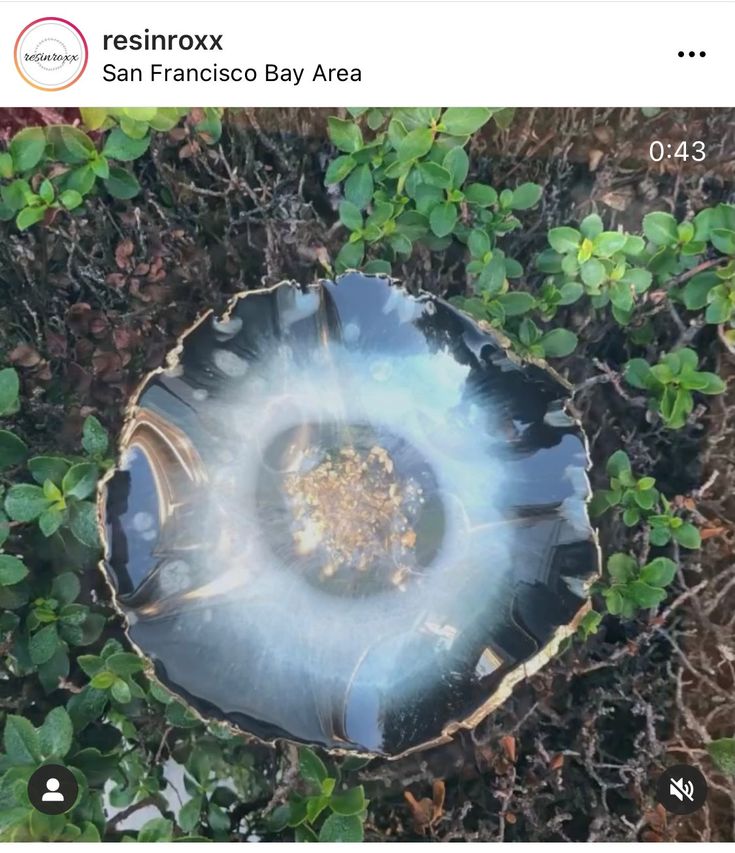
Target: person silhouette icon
(53, 794)
(53, 789)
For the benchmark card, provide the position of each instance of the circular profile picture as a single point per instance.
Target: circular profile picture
(52, 789)
(51, 54)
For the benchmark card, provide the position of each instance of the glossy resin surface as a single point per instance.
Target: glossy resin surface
(343, 515)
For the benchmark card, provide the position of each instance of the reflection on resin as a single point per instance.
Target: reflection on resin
(346, 517)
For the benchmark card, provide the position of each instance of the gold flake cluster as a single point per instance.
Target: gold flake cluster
(353, 509)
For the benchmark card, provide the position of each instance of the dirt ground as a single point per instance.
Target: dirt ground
(91, 303)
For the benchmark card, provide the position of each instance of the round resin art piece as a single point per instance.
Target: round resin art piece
(344, 515)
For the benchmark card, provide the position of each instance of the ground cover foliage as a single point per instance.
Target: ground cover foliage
(553, 227)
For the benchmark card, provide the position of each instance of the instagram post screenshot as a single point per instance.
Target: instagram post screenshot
(367, 473)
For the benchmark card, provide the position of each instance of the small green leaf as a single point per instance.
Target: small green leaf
(50, 521)
(46, 191)
(65, 587)
(27, 148)
(723, 240)
(722, 752)
(9, 390)
(688, 536)
(516, 303)
(311, 766)
(478, 243)
(339, 169)
(70, 144)
(457, 164)
(341, 828)
(660, 228)
(30, 216)
(349, 802)
(608, 243)
(645, 595)
(83, 523)
(443, 218)
(350, 216)
(345, 135)
(55, 735)
(640, 279)
(415, 144)
(95, 440)
(20, 739)
(43, 643)
(559, 343)
(103, 680)
(25, 502)
(157, 829)
(621, 567)
(121, 691)
(71, 199)
(593, 273)
(590, 623)
(80, 480)
(12, 450)
(350, 256)
(122, 184)
(119, 146)
(659, 572)
(124, 663)
(710, 383)
(51, 468)
(12, 570)
(464, 121)
(591, 226)
(480, 194)
(638, 374)
(526, 196)
(6, 165)
(564, 239)
(359, 186)
(190, 813)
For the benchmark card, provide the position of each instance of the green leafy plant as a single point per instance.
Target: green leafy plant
(666, 526)
(63, 490)
(671, 384)
(604, 265)
(114, 670)
(637, 497)
(639, 500)
(407, 184)
(25, 748)
(49, 169)
(326, 810)
(713, 290)
(530, 340)
(722, 753)
(634, 587)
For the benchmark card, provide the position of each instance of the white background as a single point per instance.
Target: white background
(411, 53)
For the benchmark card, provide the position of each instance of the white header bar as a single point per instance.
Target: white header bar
(454, 53)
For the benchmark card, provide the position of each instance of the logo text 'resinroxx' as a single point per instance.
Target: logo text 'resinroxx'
(51, 54)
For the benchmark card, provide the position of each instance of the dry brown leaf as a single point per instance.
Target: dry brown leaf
(122, 254)
(24, 355)
(508, 742)
(557, 761)
(712, 532)
(438, 793)
(421, 811)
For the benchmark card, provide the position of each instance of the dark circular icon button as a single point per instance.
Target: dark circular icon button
(681, 789)
(52, 789)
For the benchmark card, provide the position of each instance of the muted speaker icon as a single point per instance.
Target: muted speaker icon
(681, 789)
